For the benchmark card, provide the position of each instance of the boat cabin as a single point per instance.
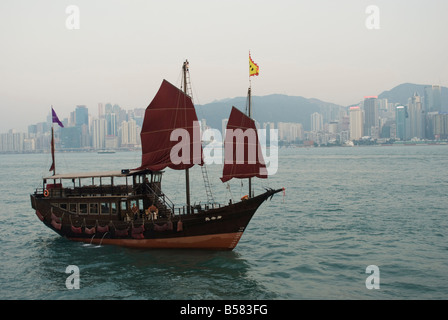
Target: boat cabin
(119, 194)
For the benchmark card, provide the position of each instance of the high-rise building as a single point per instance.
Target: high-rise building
(355, 123)
(370, 115)
(111, 120)
(100, 110)
(81, 116)
(441, 126)
(333, 127)
(129, 132)
(290, 131)
(433, 98)
(400, 119)
(112, 115)
(99, 133)
(317, 122)
(416, 117)
(82, 122)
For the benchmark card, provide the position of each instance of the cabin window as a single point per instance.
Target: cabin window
(83, 208)
(93, 208)
(72, 207)
(124, 206)
(105, 208)
(157, 177)
(113, 207)
(63, 206)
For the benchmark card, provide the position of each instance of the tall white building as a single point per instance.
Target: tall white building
(317, 122)
(416, 117)
(355, 123)
(129, 132)
(99, 127)
(290, 131)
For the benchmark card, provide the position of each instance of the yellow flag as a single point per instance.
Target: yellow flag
(253, 67)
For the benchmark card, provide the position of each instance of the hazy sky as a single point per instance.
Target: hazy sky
(124, 48)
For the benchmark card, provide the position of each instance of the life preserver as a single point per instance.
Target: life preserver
(245, 197)
(46, 193)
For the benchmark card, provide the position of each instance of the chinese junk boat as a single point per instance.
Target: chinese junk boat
(129, 208)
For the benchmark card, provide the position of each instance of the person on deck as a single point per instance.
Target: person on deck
(135, 211)
(153, 211)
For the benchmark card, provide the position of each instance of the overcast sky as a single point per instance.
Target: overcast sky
(124, 48)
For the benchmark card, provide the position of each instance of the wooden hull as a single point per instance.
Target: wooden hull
(213, 229)
(222, 241)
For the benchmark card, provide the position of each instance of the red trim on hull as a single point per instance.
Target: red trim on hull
(223, 241)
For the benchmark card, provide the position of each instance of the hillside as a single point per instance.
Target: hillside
(283, 108)
(401, 94)
(271, 108)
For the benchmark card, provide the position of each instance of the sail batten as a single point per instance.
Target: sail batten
(243, 157)
(170, 110)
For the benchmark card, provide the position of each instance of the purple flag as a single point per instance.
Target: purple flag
(55, 118)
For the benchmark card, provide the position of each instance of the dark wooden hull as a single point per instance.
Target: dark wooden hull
(213, 229)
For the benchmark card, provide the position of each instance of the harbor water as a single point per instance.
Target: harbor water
(344, 209)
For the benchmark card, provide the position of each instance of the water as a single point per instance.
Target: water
(344, 209)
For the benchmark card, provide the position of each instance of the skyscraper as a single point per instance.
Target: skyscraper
(416, 117)
(355, 123)
(371, 115)
(129, 132)
(400, 119)
(433, 98)
(99, 133)
(81, 116)
(316, 122)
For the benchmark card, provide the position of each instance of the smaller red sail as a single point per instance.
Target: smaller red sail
(170, 133)
(243, 157)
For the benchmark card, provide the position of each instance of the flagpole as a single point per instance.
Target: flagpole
(53, 120)
(53, 165)
(249, 114)
(52, 150)
(253, 71)
(187, 172)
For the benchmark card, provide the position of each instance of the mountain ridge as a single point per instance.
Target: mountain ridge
(284, 108)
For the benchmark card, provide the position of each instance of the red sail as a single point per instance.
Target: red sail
(242, 151)
(170, 134)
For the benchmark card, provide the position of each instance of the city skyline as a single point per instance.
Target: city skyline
(122, 50)
(374, 119)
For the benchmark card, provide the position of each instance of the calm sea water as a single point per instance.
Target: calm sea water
(344, 209)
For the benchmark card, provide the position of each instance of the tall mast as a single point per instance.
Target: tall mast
(249, 114)
(187, 172)
(53, 165)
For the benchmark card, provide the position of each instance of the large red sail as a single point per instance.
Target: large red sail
(170, 131)
(242, 151)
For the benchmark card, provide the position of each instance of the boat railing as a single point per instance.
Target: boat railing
(161, 196)
(100, 190)
(197, 208)
(85, 191)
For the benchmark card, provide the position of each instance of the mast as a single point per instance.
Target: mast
(187, 172)
(53, 165)
(53, 120)
(249, 114)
